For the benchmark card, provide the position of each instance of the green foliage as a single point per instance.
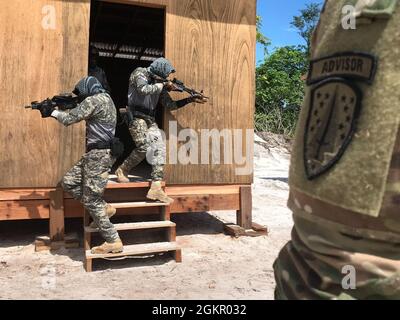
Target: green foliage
(261, 38)
(280, 79)
(307, 21)
(280, 90)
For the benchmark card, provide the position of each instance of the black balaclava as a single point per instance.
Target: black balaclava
(162, 68)
(87, 87)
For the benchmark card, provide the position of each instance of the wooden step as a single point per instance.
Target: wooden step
(137, 226)
(137, 249)
(130, 185)
(142, 204)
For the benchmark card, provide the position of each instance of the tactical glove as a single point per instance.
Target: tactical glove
(197, 98)
(46, 111)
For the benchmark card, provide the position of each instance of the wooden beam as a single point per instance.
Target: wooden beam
(224, 201)
(144, 3)
(199, 189)
(144, 184)
(73, 208)
(244, 215)
(25, 194)
(56, 215)
(24, 210)
(190, 203)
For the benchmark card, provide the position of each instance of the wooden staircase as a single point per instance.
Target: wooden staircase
(165, 223)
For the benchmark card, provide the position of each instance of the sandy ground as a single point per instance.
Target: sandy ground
(215, 266)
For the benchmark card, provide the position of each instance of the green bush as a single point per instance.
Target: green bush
(277, 120)
(280, 90)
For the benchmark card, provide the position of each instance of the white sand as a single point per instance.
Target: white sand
(215, 266)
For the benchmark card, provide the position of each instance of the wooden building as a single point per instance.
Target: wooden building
(44, 51)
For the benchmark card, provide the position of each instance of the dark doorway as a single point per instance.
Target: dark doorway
(127, 37)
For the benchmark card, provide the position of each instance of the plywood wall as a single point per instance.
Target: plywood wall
(38, 60)
(212, 46)
(210, 42)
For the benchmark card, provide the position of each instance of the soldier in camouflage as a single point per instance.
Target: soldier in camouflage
(87, 179)
(145, 94)
(345, 168)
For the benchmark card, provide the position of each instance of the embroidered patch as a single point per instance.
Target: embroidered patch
(354, 65)
(334, 110)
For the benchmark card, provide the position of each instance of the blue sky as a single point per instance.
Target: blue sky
(276, 16)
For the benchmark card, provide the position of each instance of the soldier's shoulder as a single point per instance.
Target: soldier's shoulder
(139, 72)
(98, 98)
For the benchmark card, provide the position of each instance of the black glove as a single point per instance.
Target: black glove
(46, 111)
(198, 98)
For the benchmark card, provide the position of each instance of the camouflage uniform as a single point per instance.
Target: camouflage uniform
(345, 168)
(144, 129)
(87, 179)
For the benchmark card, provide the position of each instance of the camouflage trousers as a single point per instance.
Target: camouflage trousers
(86, 182)
(322, 264)
(149, 145)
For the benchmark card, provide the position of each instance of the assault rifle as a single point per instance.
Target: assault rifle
(62, 101)
(180, 87)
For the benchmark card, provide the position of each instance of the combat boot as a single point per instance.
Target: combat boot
(121, 177)
(106, 247)
(110, 212)
(157, 193)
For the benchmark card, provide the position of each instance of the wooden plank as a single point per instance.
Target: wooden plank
(224, 201)
(24, 210)
(190, 198)
(166, 213)
(137, 226)
(132, 185)
(39, 59)
(191, 203)
(73, 208)
(237, 231)
(43, 243)
(25, 194)
(244, 215)
(137, 249)
(211, 44)
(145, 3)
(122, 192)
(56, 215)
(177, 190)
(125, 195)
(144, 204)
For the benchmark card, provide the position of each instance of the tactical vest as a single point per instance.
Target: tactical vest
(140, 104)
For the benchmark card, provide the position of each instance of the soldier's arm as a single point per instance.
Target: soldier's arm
(167, 102)
(143, 87)
(82, 112)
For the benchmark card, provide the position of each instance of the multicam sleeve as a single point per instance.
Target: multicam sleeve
(142, 85)
(82, 112)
